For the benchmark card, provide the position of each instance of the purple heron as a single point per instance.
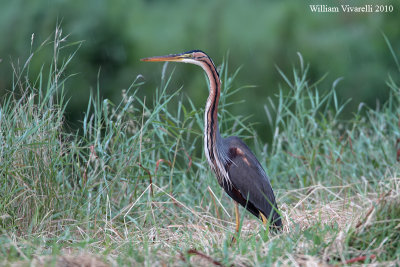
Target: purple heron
(238, 171)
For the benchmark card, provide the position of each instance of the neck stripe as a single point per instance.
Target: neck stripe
(214, 91)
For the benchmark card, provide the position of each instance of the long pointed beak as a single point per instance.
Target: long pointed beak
(175, 58)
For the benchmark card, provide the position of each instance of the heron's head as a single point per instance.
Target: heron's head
(194, 57)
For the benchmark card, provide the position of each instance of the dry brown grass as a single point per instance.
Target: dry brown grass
(348, 212)
(67, 260)
(198, 231)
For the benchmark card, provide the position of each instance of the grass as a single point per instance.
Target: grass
(133, 187)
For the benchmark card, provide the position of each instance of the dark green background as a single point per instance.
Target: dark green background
(257, 35)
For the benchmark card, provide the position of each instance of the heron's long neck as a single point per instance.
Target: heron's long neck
(213, 145)
(211, 130)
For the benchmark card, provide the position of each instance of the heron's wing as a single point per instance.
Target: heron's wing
(249, 181)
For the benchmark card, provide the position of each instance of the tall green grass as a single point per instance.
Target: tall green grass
(133, 187)
(312, 144)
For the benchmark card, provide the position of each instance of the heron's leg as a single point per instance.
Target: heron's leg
(237, 217)
(264, 219)
(233, 241)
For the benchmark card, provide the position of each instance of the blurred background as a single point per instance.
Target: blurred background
(254, 35)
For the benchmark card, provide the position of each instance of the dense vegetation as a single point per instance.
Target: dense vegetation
(256, 36)
(134, 187)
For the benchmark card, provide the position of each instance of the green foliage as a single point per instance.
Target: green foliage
(133, 186)
(259, 35)
(312, 143)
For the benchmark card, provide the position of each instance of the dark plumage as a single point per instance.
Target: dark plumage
(250, 185)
